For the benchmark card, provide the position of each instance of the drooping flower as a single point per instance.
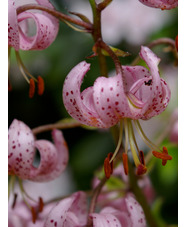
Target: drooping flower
(72, 211)
(129, 213)
(18, 28)
(135, 94)
(22, 149)
(162, 4)
(20, 35)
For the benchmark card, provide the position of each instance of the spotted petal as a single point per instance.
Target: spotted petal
(13, 33)
(110, 216)
(71, 211)
(53, 157)
(46, 25)
(80, 105)
(162, 4)
(136, 213)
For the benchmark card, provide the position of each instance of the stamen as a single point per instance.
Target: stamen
(125, 163)
(132, 144)
(32, 88)
(141, 169)
(34, 215)
(119, 141)
(142, 159)
(107, 168)
(162, 155)
(41, 204)
(9, 85)
(111, 163)
(126, 135)
(144, 137)
(15, 199)
(165, 151)
(41, 85)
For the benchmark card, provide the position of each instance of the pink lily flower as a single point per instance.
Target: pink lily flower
(72, 211)
(130, 213)
(139, 94)
(19, 37)
(162, 4)
(136, 93)
(21, 152)
(18, 30)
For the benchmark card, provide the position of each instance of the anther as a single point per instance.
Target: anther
(41, 85)
(34, 215)
(111, 163)
(165, 151)
(142, 159)
(107, 168)
(125, 163)
(14, 202)
(41, 204)
(32, 88)
(164, 155)
(141, 169)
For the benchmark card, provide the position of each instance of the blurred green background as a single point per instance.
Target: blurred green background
(87, 148)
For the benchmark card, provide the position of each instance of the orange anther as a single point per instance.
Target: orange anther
(125, 163)
(41, 85)
(107, 168)
(164, 155)
(142, 159)
(32, 88)
(41, 204)
(111, 163)
(141, 169)
(34, 215)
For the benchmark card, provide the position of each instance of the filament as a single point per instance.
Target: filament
(119, 141)
(144, 137)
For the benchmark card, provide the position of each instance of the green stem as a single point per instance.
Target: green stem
(141, 198)
(96, 33)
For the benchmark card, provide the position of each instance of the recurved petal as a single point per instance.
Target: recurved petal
(13, 32)
(162, 4)
(46, 31)
(80, 105)
(71, 211)
(53, 158)
(160, 102)
(21, 149)
(136, 212)
(110, 100)
(105, 220)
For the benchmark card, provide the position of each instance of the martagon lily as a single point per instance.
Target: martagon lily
(19, 37)
(162, 4)
(134, 94)
(72, 211)
(22, 147)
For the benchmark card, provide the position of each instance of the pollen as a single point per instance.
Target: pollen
(107, 168)
(125, 163)
(34, 216)
(142, 159)
(41, 204)
(164, 155)
(41, 85)
(32, 88)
